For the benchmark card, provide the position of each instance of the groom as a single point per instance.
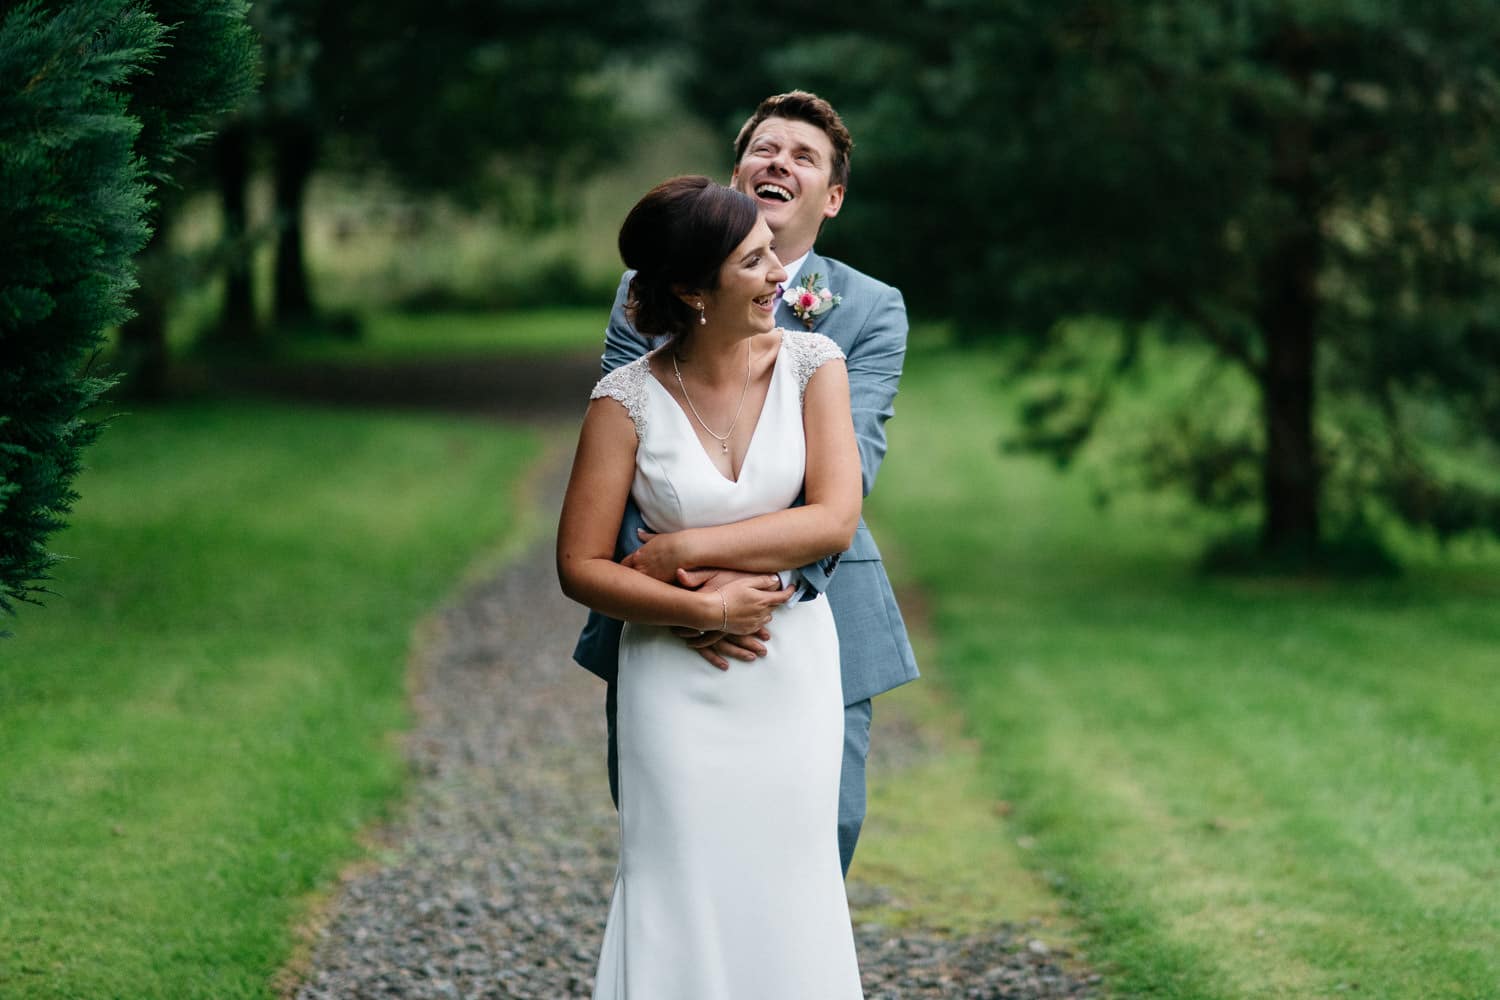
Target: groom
(792, 157)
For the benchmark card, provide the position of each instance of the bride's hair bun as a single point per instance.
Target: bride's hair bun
(676, 238)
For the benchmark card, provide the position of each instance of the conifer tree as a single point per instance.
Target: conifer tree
(97, 99)
(1308, 191)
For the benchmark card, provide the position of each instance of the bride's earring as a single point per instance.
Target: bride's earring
(702, 318)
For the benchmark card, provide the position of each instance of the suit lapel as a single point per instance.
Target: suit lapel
(784, 315)
(785, 318)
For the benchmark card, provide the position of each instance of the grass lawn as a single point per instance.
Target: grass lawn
(934, 821)
(193, 734)
(1244, 787)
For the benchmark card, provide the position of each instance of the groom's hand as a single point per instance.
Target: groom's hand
(659, 555)
(718, 647)
(715, 646)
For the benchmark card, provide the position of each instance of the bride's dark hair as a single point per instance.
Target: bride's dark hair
(677, 237)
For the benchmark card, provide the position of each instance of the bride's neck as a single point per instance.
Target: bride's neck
(715, 360)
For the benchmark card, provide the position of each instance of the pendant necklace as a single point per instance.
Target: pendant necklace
(723, 439)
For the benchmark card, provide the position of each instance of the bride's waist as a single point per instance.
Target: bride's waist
(808, 604)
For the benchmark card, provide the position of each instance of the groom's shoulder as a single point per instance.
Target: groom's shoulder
(847, 280)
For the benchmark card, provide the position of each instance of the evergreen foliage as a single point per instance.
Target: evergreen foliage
(1308, 189)
(96, 99)
(506, 104)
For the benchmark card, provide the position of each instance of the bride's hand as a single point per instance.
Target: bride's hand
(718, 648)
(660, 556)
(748, 602)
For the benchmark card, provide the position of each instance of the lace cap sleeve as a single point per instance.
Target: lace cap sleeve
(809, 352)
(627, 385)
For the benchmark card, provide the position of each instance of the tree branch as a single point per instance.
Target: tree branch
(1216, 334)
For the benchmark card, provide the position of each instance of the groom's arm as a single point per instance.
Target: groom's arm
(622, 345)
(874, 361)
(874, 364)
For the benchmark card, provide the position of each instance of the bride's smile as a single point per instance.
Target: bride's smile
(746, 296)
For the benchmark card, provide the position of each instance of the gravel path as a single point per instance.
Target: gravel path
(494, 880)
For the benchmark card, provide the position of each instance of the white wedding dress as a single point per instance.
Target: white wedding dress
(729, 885)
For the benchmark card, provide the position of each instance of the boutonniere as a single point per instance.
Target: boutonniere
(808, 301)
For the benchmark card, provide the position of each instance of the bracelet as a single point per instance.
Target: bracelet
(724, 601)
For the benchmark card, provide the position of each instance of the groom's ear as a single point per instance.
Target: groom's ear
(835, 201)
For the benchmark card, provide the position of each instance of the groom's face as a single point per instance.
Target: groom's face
(787, 169)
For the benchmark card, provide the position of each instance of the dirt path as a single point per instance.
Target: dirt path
(493, 880)
(544, 389)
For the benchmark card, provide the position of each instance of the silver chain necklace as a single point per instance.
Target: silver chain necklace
(723, 439)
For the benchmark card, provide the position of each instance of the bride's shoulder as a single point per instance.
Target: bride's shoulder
(627, 386)
(808, 352)
(809, 347)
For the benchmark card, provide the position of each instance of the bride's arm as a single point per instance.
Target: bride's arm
(824, 525)
(597, 490)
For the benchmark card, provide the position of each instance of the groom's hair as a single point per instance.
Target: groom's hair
(800, 105)
(677, 237)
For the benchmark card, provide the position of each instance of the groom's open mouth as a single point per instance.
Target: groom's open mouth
(773, 192)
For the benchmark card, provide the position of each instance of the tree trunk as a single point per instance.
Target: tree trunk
(143, 337)
(1288, 320)
(295, 155)
(232, 167)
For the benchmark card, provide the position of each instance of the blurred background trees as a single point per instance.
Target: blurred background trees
(212, 67)
(1308, 190)
(97, 100)
(507, 108)
(502, 105)
(1274, 224)
(498, 104)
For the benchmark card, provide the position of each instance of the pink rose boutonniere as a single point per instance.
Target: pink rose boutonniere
(808, 301)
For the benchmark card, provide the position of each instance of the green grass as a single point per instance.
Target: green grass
(193, 734)
(1244, 787)
(934, 823)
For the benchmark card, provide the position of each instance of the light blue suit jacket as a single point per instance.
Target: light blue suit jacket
(869, 325)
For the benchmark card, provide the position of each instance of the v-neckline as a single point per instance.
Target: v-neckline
(759, 418)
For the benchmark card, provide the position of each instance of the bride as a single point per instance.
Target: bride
(729, 884)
